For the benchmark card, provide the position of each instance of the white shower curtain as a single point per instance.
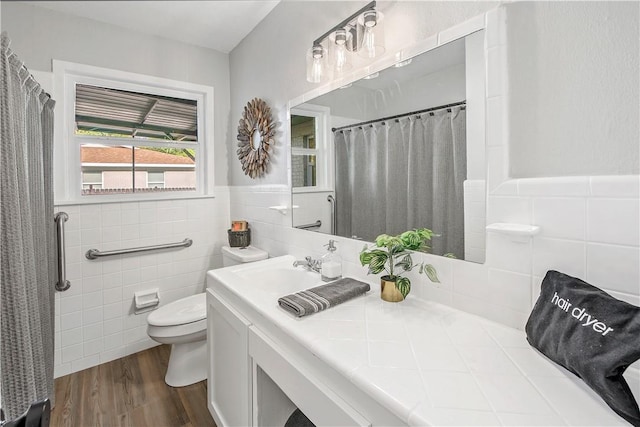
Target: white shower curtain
(27, 238)
(400, 174)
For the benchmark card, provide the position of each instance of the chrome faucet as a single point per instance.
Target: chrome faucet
(309, 264)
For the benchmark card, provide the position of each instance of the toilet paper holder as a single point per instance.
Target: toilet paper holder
(144, 301)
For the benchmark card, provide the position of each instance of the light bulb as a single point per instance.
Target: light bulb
(316, 70)
(316, 64)
(341, 57)
(370, 18)
(369, 42)
(372, 26)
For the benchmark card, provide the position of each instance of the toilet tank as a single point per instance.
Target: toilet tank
(235, 256)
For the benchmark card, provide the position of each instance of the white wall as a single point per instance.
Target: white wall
(574, 88)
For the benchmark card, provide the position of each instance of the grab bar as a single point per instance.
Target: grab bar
(318, 223)
(334, 221)
(62, 284)
(95, 253)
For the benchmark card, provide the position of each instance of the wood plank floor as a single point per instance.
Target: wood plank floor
(129, 392)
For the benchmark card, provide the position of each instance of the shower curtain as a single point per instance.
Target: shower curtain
(27, 238)
(405, 173)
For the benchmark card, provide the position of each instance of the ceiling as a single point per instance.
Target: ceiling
(218, 25)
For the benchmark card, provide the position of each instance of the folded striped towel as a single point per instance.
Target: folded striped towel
(322, 297)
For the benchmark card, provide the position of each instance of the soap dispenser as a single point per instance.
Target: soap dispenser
(331, 263)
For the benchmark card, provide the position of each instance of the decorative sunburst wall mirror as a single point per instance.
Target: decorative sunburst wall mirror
(255, 137)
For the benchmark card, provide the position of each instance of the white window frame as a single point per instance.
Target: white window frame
(67, 163)
(324, 151)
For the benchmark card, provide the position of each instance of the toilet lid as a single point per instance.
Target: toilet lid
(185, 310)
(246, 254)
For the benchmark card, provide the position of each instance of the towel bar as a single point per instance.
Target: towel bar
(62, 284)
(95, 253)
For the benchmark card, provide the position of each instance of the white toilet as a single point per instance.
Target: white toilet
(183, 324)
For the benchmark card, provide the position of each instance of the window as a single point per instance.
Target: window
(311, 153)
(155, 179)
(91, 181)
(128, 136)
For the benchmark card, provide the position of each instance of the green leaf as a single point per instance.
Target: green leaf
(450, 255)
(411, 239)
(431, 273)
(365, 257)
(406, 263)
(397, 250)
(404, 286)
(425, 233)
(377, 263)
(382, 240)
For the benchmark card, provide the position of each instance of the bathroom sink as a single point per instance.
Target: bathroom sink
(272, 278)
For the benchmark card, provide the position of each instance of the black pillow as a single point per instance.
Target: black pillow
(590, 333)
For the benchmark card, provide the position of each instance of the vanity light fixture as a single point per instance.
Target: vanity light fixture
(361, 33)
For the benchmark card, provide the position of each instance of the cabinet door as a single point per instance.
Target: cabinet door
(229, 383)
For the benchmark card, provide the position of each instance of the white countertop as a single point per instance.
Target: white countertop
(430, 364)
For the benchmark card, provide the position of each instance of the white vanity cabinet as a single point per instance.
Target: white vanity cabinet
(229, 382)
(258, 376)
(367, 362)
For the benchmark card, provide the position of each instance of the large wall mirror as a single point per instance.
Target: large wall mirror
(400, 149)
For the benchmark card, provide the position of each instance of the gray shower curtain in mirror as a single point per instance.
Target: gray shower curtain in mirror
(401, 174)
(28, 263)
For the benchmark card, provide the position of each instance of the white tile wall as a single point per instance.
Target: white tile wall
(579, 236)
(475, 216)
(94, 320)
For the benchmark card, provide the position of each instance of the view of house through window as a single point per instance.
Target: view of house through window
(134, 142)
(126, 169)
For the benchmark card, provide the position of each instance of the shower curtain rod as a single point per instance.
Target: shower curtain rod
(426, 110)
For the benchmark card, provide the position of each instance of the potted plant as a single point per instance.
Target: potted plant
(393, 255)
